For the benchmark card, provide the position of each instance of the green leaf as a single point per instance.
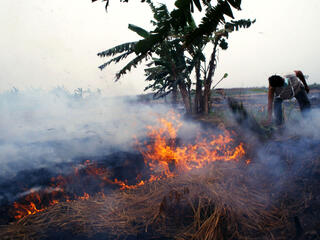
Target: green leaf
(183, 4)
(236, 25)
(125, 47)
(198, 4)
(140, 31)
(227, 9)
(187, 5)
(115, 60)
(223, 44)
(145, 45)
(209, 23)
(235, 3)
(132, 63)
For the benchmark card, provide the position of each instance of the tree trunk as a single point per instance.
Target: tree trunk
(198, 97)
(183, 90)
(185, 97)
(174, 96)
(208, 80)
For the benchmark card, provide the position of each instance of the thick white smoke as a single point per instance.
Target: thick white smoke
(293, 147)
(39, 129)
(307, 127)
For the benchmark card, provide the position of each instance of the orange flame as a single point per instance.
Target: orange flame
(33, 205)
(124, 186)
(162, 156)
(166, 159)
(85, 196)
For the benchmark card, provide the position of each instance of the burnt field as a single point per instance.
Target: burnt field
(152, 174)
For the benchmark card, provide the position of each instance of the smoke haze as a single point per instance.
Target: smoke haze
(39, 129)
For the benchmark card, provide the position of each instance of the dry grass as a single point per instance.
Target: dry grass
(220, 202)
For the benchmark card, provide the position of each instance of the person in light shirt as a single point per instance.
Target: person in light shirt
(283, 88)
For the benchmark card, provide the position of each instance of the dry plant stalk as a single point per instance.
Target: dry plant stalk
(219, 202)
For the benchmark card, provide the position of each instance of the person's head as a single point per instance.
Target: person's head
(276, 81)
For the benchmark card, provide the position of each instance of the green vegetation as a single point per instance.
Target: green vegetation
(173, 50)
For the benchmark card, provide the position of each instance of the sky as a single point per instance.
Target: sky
(50, 43)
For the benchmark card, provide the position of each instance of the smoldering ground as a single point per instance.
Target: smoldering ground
(298, 138)
(40, 128)
(299, 135)
(273, 163)
(46, 132)
(285, 160)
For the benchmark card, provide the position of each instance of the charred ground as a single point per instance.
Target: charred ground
(276, 196)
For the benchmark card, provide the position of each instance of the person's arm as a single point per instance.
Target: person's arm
(299, 74)
(270, 103)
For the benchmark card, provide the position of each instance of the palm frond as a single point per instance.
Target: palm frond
(209, 23)
(236, 25)
(161, 13)
(156, 73)
(116, 59)
(129, 46)
(146, 45)
(188, 4)
(138, 30)
(132, 63)
(235, 3)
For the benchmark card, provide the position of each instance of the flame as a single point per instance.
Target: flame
(166, 159)
(162, 154)
(85, 196)
(32, 206)
(123, 185)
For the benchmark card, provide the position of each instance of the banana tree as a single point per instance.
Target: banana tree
(171, 41)
(171, 71)
(218, 40)
(169, 58)
(181, 17)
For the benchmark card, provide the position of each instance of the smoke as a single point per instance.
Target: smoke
(307, 127)
(280, 154)
(40, 129)
(290, 154)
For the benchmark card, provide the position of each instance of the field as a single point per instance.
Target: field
(226, 176)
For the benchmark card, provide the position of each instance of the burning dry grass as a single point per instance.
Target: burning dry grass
(219, 202)
(197, 192)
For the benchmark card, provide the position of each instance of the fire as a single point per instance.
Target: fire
(85, 196)
(163, 155)
(39, 201)
(123, 185)
(166, 159)
(33, 204)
